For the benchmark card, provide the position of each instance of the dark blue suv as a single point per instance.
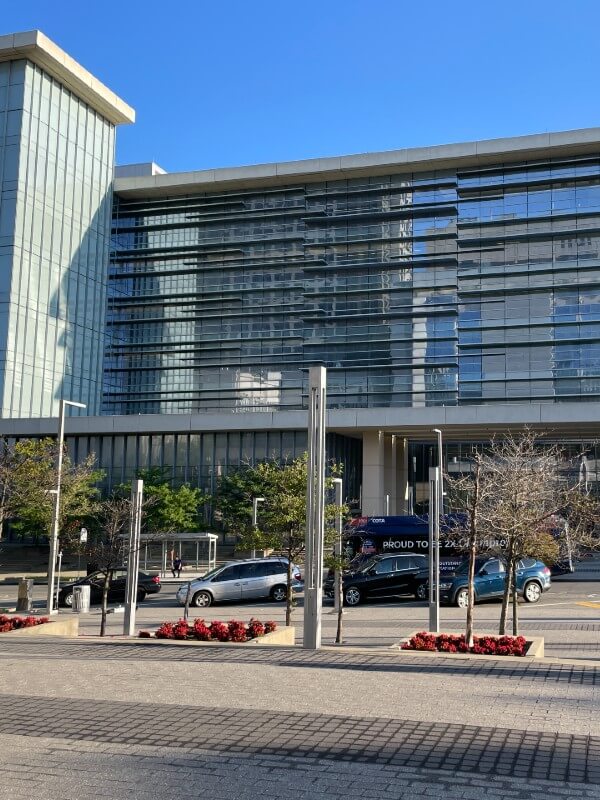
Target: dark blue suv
(533, 578)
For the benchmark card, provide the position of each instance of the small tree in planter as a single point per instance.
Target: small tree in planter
(512, 499)
(282, 524)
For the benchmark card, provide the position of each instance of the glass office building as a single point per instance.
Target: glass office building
(453, 287)
(432, 288)
(56, 173)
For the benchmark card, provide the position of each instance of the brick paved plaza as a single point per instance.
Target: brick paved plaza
(82, 719)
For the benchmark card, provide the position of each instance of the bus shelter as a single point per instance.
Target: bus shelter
(197, 551)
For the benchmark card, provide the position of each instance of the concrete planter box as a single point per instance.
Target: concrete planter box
(535, 648)
(67, 627)
(282, 637)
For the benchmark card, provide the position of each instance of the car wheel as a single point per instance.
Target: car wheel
(68, 600)
(532, 592)
(462, 598)
(202, 600)
(352, 596)
(422, 591)
(141, 596)
(279, 593)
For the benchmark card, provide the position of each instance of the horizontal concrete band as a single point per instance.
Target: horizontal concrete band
(568, 419)
(413, 159)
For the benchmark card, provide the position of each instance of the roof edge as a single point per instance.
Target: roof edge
(38, 48)
(413, 159)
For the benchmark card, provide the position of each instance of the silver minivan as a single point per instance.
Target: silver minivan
(241, 580)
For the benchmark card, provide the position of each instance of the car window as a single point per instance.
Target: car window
(494, 566)
(418, 562)
(253, 570)
(275, 568)
(402, 562)
(229, 574)
(118, 573)
(385, 566)
(526, 563)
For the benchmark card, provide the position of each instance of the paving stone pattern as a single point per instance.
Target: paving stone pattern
(525, 670)
(398, 742)
(87, 719)
(59, 770)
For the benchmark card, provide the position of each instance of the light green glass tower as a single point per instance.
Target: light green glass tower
(57, 132)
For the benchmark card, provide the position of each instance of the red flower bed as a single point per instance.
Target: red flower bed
(8, 624)
(482, 645)
(233, 631)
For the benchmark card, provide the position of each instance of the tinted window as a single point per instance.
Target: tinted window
(403, 562)
(418, 562)
(276, 568)
(253, 570)
(228, 574)
(387, 565)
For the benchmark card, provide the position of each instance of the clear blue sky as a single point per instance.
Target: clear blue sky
(246, 81)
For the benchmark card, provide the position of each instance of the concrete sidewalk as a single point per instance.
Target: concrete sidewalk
(239, 724)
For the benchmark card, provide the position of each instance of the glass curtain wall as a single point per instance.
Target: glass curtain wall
(421, 289)
(54, 243)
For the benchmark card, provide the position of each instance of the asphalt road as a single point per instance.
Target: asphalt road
(568, 616)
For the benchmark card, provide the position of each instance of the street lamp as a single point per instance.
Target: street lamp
(436, 509)
(55, 514)
(255, 502)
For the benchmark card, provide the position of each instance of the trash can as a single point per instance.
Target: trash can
(81, 599)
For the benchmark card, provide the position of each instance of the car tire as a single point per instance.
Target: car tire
(352, 596)
(68, 600)
(461, 598)
(532, 591)
(141, 596)
(422, 591)
(202, 600)
(279, 593)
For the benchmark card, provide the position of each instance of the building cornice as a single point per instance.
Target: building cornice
(38, 48)
(414, 159)
(577, 420)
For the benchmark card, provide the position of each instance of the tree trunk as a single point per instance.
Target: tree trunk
(188, 597)
(104, 604)
(340, 587)
(471, 592)
(515, 615)
(506, 594)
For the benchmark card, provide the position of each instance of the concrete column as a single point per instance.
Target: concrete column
(373, 473)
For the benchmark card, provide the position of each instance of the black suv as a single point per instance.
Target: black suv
(147, 584)
(384, 576)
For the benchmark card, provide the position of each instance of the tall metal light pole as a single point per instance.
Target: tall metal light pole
(434, 559)
(56, 511)
(441, 468)
(255, 502)
(133, 556)
(315, 509)
(436, 509)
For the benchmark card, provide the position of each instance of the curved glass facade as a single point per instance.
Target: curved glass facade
(413, 289)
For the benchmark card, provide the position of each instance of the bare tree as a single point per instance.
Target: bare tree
(468, 494)
(513, 499)
(108, 548)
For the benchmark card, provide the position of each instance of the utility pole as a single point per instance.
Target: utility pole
(315, 509)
